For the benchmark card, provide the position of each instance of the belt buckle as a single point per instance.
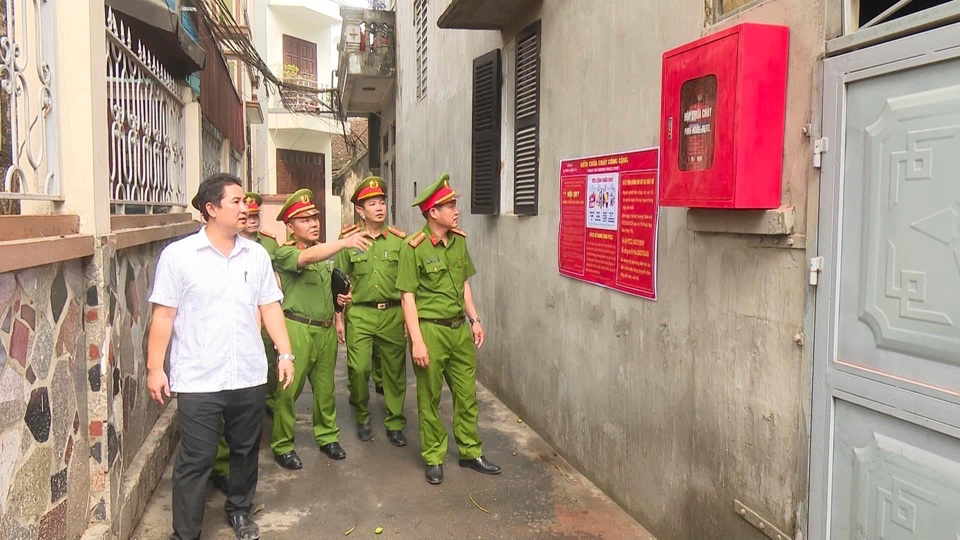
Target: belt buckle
(456, 323)
(383, 305)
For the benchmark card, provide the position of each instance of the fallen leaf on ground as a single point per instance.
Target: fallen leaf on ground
(351, 530)
(378, 530)
(477, 504)
(566, 476)
(259, 508)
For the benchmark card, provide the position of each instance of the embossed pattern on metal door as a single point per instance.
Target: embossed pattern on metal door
(886, 441)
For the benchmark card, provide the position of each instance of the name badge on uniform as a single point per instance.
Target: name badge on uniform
(431, 260)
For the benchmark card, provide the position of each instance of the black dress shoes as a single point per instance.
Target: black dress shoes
(290, 460)
(244, 526)
(481, 465)
(396, 438)
(434, 474)
(333, 450)
(364, 432)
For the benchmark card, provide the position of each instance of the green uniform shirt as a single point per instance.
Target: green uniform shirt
(268, 243)
(306, 291)
(435, 274)
(373, 272)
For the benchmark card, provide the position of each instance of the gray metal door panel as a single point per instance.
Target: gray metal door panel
(885, 456)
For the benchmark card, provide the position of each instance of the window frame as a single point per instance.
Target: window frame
(421, 9)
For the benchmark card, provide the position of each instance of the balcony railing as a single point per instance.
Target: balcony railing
(147, 131)
(304, 95)
(28, 154)
(367, 45)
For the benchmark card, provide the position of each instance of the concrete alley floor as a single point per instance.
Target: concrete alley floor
(538, 495)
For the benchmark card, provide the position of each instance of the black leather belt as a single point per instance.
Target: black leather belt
(325, 323)
(456, 322)
(379, 305)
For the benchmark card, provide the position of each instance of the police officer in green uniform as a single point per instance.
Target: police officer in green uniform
(374, 321)
(434, 268)
(221, 467)
(269, 242)
(309, 311)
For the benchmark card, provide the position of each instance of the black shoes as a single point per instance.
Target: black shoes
(222, 483)
(378, 389)
(364, 432)
(333, 450)
(290, 460)
(244, 526)
(481, 465)
(396, 438)
(434, 474)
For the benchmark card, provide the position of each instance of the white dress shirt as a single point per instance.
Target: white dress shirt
(216, 343)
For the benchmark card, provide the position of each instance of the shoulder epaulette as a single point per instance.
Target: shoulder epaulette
(268, 235)
(397, 232)
(347, 231)
(290, 243)
(458, 232)
(417, 239)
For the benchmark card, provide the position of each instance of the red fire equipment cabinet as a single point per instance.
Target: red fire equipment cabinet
(721, 126)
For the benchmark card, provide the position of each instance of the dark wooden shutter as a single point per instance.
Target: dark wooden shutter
(373, 141)
(393, 189)
(526, 192)
(485, 161)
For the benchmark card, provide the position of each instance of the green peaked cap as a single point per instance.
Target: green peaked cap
(371, 186)
(436, 193)
(300, 203)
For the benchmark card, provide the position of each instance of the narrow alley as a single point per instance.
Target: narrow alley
(538, 496)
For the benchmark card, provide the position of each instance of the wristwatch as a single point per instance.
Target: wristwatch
(287, 356)
(473, 320)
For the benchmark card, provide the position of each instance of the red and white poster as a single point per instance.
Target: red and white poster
(608, 221)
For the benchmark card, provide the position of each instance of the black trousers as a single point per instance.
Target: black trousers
(200, 415)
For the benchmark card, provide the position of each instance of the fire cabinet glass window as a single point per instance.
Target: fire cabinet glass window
(698, 104)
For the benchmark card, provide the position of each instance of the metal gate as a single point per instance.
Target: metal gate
(885, 460)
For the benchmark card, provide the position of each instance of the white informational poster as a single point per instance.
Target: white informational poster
(603, 200)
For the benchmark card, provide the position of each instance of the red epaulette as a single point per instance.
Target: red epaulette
(458, 232)
(347, 231)
(417, 239)
(397, 232)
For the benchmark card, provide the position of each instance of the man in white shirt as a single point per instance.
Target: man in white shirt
(210, 293)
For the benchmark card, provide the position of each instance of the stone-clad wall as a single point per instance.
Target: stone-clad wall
(74, 410)
(130, 281)
(45, 431)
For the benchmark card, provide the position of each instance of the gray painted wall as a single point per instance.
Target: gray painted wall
(674, 408)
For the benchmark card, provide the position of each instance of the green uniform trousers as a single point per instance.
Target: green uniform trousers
(452, 357)
(270, 349)
(221, 466)
(316, 357)
(376, 370)
(371, 331)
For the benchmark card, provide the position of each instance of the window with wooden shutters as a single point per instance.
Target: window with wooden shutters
(420, 24)
(485, 159)
(393, 190)
(526, 189)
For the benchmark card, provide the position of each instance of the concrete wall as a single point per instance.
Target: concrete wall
(675, 408)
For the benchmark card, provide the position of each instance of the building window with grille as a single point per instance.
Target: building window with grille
(485, 145)
(526, 192)
(420, 25)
